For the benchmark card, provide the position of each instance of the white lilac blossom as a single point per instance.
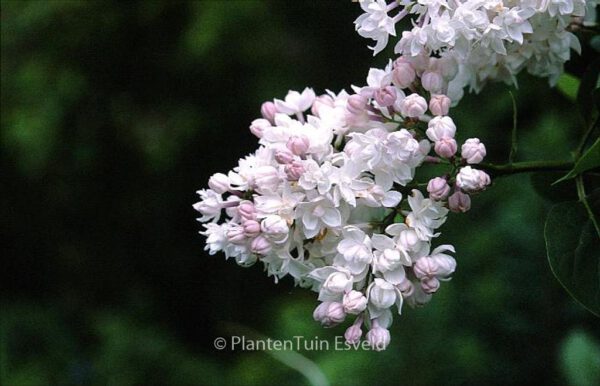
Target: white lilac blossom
(329, 197)
(474, 40)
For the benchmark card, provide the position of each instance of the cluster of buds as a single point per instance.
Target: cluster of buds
(329, 197)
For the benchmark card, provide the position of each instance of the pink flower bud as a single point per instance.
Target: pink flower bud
(219, 182)
(406, 287)
(353, 334)
(284, 156)
(329, 313)
(356, 104)
(246, 210)
(260, 245)
(430, 285)
(294, 170)
(321, 311)
(473, 151)
(432, 81)
(251, 228)
(386, 96)
(446, 147)
(439, 104)
(378, 337)
(438, 188)
(425, 267)
(298, 145)
(459, 202)
(320, 101)
(484, 179)
(354, 302)
(236, 235)
(268, 111)
(413, 106)
(445, 265)
(403, 74)
(258, 126)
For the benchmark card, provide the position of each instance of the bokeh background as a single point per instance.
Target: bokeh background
(115, 113)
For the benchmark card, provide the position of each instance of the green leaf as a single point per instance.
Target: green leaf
(589, 160)
(568, 86)
(573, 248)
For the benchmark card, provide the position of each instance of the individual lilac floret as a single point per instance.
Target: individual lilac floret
(268, 111)
(413, 106)
(445, 147)
(432, 81)
(439, 104)
(378, 337)
(403, 74)
(472, 180)
(354, 302)
(329, 314)
(459, 202)
(438, 188)
(473, 151)
(353, 333)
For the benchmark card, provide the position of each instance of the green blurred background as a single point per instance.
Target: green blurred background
(113, 115)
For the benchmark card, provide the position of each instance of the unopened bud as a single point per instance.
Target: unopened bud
(268, 111)
(439, 104)
(446, 147)
(386, 96)
(432, 81)
(354, 302)
(438, 188)
(294, 170)
(219, 182)
(413, 106)
(251, 228)
(403, 74)
(459, 202)
(260, 245)
(356, 104)
(353, 334)
(473, 151)
(298, 145)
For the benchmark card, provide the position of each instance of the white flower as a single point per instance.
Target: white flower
(355, 246)
(296, 103)
(209, 206)
(375, 23)
(426, 216)
(382, 294)
(317, 214)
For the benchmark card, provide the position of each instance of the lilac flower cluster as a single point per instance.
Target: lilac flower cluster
(329, 197)
(485, 39)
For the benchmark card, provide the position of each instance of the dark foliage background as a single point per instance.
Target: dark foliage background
(115, 113)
